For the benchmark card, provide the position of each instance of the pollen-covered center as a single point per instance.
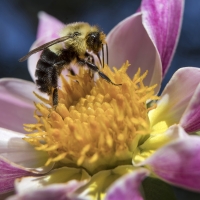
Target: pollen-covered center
(96, 125)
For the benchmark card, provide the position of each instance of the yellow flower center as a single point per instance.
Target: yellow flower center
(96, 125)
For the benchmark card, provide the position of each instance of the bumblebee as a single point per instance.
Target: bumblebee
(78, 43)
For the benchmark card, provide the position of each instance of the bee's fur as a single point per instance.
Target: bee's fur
(75, 42)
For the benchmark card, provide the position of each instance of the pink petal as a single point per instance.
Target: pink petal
(8, 173)
(178, 163)
(127, 187)
(162, 20)
(48, 29)
(130, 41)
(52, 192)
(18, 158)
(16, 103)
(14, 149)
(33, 59)
(48, 26)
(191, 117)
(177, 95)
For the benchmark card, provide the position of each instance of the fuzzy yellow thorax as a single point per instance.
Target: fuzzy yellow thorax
(96, 125)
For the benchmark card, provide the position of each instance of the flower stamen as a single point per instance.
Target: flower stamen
(96, 125)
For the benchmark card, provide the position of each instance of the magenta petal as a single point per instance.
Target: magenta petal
(8, 174)
(162, 20)
(178, 163)
(130, 41)
(191, 118)
(127, 187)
(16, 103)
(52, 192)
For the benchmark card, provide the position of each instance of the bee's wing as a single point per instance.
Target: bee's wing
(44, 46)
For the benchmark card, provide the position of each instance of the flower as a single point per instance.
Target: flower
(123, 128)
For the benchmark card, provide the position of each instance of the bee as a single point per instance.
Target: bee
(78, 43)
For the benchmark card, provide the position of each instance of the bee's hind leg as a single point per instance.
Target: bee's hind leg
(54, 100)
(55, 97)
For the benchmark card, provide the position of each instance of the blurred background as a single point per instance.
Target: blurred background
(18, 19)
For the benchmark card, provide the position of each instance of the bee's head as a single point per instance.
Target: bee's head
(94, 41)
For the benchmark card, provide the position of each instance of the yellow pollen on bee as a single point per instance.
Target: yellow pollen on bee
(95, 123)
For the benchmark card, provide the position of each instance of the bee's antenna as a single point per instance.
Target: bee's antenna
(107, 52)
(103, 54)
(99, 59)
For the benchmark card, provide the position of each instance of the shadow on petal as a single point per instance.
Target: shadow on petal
(130, 41)
(127, 187)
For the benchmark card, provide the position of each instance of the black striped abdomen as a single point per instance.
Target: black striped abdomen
(46, 73)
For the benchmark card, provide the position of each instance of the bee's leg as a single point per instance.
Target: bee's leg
(90, 59)
(55, 100)
(55, 97)
(102, 75)
(60, 64)
(94, 68)
(103, 54)
(107, 52)
(54, 76)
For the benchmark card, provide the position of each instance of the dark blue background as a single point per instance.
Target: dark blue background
(19, 21)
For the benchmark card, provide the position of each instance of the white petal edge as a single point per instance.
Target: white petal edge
(56, 176)
(16, 151)
(52, 192)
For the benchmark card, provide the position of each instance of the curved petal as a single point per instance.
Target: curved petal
(33, 59)
(178, 163)
(48, 26)
(52, 192)
(162, 20)
(14, 150)
(191, 117)
(127, 187)
(61, 175)
(48, 29)
(130, 41)
(96, 188)
(176, 96)
(8, 174)
(16, 103)
(156, 141)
